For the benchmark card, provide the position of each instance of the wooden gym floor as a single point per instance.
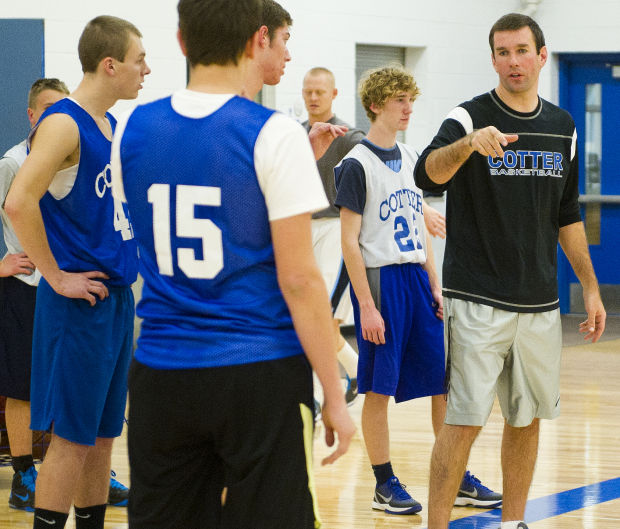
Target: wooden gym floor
(577, 479)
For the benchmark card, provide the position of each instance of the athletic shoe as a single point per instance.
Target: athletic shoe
(474, 493)
(317, 411)
(392, 498)
(351, 390)
(118, 494)
(522, 526)
(22, 490)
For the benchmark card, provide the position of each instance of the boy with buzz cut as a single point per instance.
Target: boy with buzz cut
(395, 291)
(18, 292)
(220, 192)
(80, 239)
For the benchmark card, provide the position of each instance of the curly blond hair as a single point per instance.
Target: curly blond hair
(380, 84)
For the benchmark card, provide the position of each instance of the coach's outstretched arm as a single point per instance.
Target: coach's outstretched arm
(442, 163)
(306, 296)
(575, 245)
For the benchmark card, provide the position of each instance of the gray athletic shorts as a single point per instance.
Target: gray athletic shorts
(489, 351)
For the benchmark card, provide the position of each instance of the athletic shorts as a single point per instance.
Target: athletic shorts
(17, 301)
(247, 428)
(411, 362)
(80, 361)
(328, 254)
(516, 355)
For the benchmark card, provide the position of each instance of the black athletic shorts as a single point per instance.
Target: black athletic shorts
(17, 302)
(244, 428)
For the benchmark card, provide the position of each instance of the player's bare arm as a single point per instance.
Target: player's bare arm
(373, 326)
(434, 221)
(443, 163)
(55, 146)
(305, 294)
(575, 245)
(322, 135)
(433, 278)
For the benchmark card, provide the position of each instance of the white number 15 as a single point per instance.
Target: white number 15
(189, 226)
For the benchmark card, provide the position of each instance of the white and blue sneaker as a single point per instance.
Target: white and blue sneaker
(350, 392)
(392, 498)
(472, 492)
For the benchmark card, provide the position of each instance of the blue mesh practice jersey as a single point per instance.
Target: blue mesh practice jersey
(211, 295)
(87, 228)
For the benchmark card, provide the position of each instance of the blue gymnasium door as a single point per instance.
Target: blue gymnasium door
(21, 63)
(590, 91)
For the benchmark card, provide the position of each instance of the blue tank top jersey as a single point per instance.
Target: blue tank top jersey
(210, 295)
(88, 229)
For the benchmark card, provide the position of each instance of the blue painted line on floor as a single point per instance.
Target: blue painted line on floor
(548, 506)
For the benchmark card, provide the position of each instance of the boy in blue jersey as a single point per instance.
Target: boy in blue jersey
(221, 192)
(396, 295)
(18, 290)
(81, 241)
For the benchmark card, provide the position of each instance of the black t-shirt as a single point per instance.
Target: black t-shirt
(503, 215)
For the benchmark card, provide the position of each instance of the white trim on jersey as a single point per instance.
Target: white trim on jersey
(283, 159)
(462, 116)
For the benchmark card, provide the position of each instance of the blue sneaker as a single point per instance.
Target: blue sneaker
(22, 490)
(392, 498)
(118, 494)
(350, 390)
(472, 492)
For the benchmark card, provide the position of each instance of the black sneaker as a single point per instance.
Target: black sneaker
(22, 490)
(472, 492)
(118, 494)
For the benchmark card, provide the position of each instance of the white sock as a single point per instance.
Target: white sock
(348, 358)
(510, 525)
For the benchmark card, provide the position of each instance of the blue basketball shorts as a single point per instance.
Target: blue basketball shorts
(80, 362)
(411, 363)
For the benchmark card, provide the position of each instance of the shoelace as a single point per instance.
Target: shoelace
(116, 484)
(475, 482)
(398, 489)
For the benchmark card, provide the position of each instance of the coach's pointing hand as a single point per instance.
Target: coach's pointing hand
(490, 141)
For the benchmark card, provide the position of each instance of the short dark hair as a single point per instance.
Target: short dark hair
(104, 36)
(46, 83)
(274, 17)
(217, 31)
(513, 22)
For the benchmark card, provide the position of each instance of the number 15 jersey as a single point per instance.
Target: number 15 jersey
(203, 175)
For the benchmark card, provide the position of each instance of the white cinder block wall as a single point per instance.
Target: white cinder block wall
(446, 40)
